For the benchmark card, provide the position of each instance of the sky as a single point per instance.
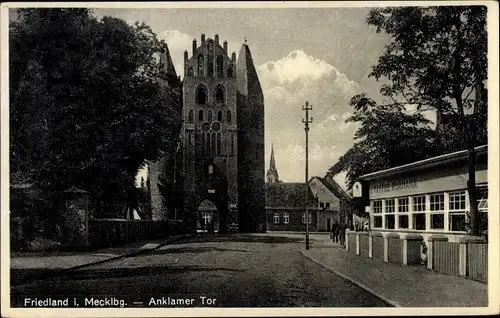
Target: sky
(319, 55)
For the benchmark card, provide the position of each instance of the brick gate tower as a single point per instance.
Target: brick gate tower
(223, 135)
(219, 167)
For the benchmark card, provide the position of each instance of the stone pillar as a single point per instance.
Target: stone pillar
(464, 241)
(347, 239)
(74, 219)
(386, 249)
(370, 246)
(357, 243)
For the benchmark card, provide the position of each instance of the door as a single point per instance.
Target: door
(328, 225)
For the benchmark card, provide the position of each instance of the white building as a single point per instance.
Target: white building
(427, 197)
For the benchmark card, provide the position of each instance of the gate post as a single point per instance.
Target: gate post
(75, 218)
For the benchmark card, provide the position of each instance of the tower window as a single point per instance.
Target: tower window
(201, 95)
(219, 144)
(230, 72)
(232, 145)
(203, 143)
(207, 144)
(201, 65)
(210, 64)
(200, 115)
(219, 115)
(219, 94)
(220, 66)
(229, 116)
(209, 115)
(190, 71)
(213, 150)
(190, 116)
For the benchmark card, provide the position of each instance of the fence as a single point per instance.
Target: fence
(478, 261)
(446, 257)
(109, 232)
(467, 258)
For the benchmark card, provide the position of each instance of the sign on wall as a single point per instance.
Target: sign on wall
(394, 185)
(357, 190)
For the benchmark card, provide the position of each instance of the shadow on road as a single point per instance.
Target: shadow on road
(105, 273)
(181, 250)
(243, 238)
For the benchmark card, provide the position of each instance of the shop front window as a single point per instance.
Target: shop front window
(403, 209)
(457, 211)
(418, 216)
(390, 209)
(377, 211)
(437, 211)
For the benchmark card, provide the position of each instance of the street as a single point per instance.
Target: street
(223, 271)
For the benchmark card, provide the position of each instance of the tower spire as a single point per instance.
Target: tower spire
(272, 173)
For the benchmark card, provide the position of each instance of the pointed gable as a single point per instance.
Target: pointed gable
(247, 80)
(166, 63)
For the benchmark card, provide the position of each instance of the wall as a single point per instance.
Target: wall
(324, 194)
(322, 220)
(295, 223)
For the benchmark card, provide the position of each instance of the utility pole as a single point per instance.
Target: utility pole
(306, 122)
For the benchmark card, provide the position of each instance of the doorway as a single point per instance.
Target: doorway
(207, 217)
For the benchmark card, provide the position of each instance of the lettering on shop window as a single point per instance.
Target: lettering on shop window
(394, 185)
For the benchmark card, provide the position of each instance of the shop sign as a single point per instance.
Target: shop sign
(394, 185)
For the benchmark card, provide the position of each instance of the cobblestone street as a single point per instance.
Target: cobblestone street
(237, 271)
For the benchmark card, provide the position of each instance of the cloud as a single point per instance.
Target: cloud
(289, 82)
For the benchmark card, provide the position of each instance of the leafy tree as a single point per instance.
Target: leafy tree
(86, 106)
(388, 136)
(437, 59)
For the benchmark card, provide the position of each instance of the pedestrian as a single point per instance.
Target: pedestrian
(335, 235)
(342, 228)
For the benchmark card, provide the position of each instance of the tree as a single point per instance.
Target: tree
(437, 59)
(86, 106)
(388, 136)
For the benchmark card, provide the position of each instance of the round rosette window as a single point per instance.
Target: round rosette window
(205, 127)
(216, 126)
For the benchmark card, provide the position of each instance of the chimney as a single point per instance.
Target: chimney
(202, 39)
(216, 39)
(194, 46)
(233, 57)
(225, 47)
(185, 56)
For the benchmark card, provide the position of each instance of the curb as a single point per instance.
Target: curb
(44, 273)
(384, 299)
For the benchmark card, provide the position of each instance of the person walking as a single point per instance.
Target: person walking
(335, 234)
(341, 231)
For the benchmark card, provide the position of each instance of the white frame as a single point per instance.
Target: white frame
(286, 218)
(462, 194)
(437, 212)
(276, 216)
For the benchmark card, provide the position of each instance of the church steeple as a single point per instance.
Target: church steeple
(272, 173)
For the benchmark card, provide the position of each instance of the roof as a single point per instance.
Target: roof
(425, 164)
(166, 63)
(334, 187)
(288, 195)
